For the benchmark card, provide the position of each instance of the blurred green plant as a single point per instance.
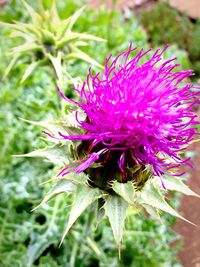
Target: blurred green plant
(25, 236)
(48, 39)
(165, 25)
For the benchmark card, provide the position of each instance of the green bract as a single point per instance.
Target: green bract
(112, 203)
(48, 39)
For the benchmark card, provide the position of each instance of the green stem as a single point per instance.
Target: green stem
(82, 239)
(58, 106)
(74, 253)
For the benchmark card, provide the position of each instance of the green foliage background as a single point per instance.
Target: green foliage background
(32, 238)
(166, 25)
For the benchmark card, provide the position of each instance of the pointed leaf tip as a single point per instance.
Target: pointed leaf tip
(115, 209)
(10, 66)
(57, 64)
(85, 196)
(125, 190)
(151, 195)
(29, 70)
(62, 186)
(56, 154)
(34, 15)
(75, 17)
(176, 184)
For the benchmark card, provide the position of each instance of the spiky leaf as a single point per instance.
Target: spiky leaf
(26, 47)
(41, 240)
(45, 38)
(30, 69)
(74, 18)
(176, 184)
(78, 54)
(54, 127)
(66, 40)
(125, 190)
(151, 195)
(85, 196)
(56, 154)
(115, 209)
(37, 19)
(10, 66)
(153, 212)
(62, 186)
(29, 29)
(56, 62)
(87, 36)
(54, 13)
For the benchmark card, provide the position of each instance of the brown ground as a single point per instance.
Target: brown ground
(191, 7)
(2, 3)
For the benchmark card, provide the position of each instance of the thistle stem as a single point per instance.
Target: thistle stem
(82, 238)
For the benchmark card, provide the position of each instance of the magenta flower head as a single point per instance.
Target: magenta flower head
(138, 118)
(131, 125)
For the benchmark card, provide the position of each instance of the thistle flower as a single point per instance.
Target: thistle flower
(139, 116)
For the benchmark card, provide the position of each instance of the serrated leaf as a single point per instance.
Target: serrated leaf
(41, 240)
(125, 190)
(49, 125)
(115, 209)
(27, 36)
(152, 196)
(62, 186)
(100, 212)
(30, 69)
(176, 184)
(85, 196)
(38, 247)
(76, 178)
(55, 154)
